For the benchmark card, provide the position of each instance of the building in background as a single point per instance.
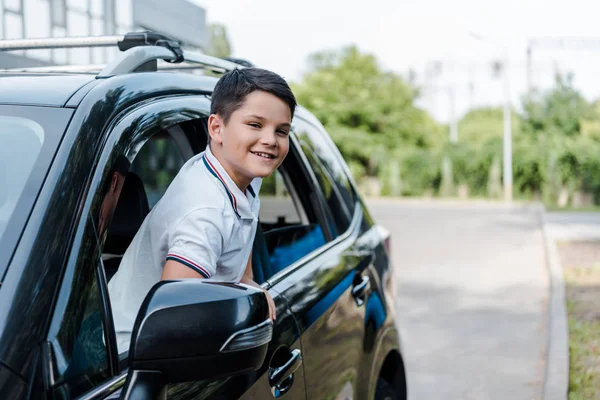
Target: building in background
(44, 18)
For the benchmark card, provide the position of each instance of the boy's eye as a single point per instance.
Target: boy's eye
(254, 125)
(283, 132)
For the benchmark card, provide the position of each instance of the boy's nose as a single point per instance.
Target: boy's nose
(269, 138)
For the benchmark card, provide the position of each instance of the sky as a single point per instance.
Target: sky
(411, 34)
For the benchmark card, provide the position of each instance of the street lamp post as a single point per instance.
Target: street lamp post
(433, 70)
(507, 142)
(507, 173)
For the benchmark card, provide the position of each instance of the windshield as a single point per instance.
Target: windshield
(29, 138)
(21, 140)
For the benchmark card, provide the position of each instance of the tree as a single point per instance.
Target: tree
(218, 41)
(558, 112)
(481, 124)
(368, 112)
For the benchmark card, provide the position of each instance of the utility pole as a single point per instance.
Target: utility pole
(561, 43)
(507, 142)
(529, 69)
(453, 120)
(507, 173)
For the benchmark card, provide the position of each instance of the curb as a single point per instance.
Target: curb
(556, 371)
(442, 202)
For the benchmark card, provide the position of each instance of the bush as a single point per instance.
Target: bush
(419, 170)
(544, 167)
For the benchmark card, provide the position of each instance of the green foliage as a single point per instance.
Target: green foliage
(372, 118)
(590, 124)
(529, 169)
(420, 171)
(560, 111)
(480, 125)
(364, 108)
(218, 41)
(471, 163)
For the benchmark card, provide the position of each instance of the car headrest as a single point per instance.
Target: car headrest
(130, 212)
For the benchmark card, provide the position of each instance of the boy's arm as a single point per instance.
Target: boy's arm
(176, 270)
(195, 244)
(248, 279)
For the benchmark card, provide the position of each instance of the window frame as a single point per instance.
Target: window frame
(317, 201)
(326, 145)
(341, 162)
(355, 217)
(127, 133)
(73, 270)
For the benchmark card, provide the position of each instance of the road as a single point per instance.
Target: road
(473, 289)
(574, 225)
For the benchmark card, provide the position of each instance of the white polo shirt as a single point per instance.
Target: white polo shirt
(203, 221)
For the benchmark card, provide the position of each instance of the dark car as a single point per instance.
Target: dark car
(66, 142)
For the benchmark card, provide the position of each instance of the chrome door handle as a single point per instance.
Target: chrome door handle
(279, 374)
(282, 378)
(358, 291)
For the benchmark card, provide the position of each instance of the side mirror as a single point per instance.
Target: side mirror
(192, 330)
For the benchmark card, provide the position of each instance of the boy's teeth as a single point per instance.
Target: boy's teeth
(263, 155)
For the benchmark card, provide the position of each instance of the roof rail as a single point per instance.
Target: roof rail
(97, 68)
(139, 49)
(59, 43)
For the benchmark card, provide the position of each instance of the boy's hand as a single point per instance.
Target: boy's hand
(272, 312)
(248, 279)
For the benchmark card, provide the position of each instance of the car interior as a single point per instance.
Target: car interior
(280, 239)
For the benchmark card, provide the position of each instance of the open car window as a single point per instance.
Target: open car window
(290, 223)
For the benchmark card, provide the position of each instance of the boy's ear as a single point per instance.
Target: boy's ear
(215, 125)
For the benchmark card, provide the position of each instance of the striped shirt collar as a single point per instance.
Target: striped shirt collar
(240, 202)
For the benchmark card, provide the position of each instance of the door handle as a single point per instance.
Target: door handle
(359, 290)
(282, 378)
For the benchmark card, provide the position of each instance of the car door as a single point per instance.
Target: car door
(101, 372)
(281, 374)
(328, 293)
(79, 354)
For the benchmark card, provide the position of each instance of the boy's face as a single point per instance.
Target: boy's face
(255, 140)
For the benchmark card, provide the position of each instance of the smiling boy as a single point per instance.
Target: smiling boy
(204, 225)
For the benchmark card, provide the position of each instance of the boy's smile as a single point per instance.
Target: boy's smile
(255, 140)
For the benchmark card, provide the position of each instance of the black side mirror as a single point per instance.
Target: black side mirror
(194, 330)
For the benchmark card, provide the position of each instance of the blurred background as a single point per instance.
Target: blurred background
(425, 95)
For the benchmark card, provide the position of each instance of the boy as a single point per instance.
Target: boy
(204, 225)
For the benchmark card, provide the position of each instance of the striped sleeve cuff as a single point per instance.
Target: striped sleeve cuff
(189, 263)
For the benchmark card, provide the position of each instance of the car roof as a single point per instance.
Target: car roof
(55, 90)
(52, 90)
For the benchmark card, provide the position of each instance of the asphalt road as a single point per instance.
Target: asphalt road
(574, 225)
(472, 299)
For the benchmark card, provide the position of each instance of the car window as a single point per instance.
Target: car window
(278, 207)
(157, 164)
(78, 330)
(330, 174)
(291, 227)
(141, 183)
(21, 141)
